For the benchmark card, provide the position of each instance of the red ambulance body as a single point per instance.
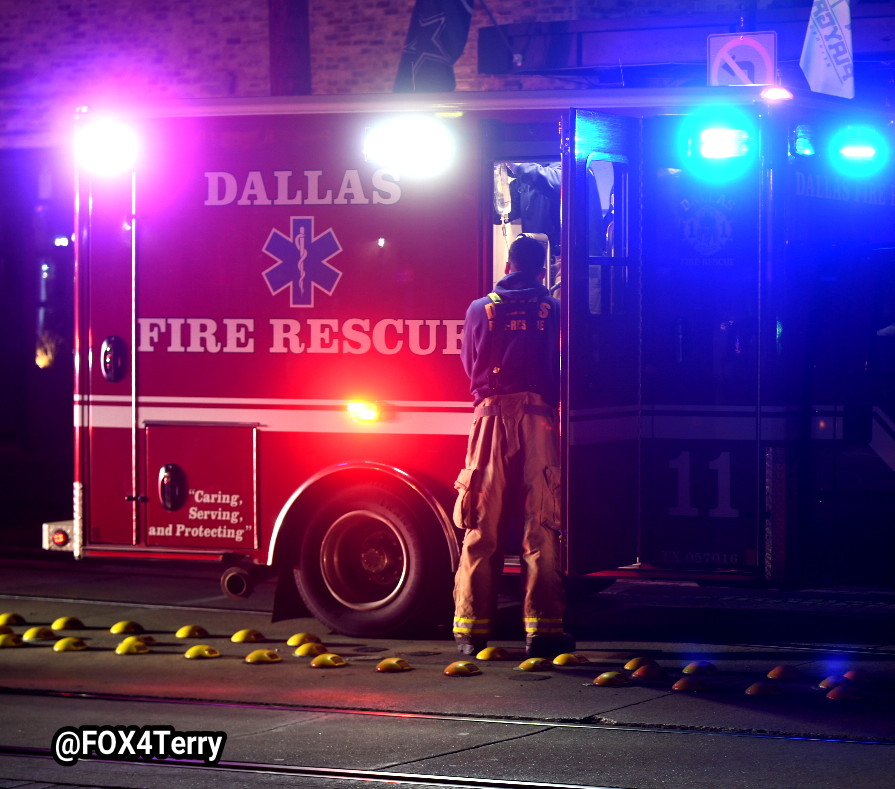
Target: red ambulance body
(269, 319)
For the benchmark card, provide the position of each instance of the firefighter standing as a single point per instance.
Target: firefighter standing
(511, 355)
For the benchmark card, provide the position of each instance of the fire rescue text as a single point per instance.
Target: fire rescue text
(312, 335)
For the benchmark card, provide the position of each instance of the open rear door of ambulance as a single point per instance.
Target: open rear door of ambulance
(601, 340)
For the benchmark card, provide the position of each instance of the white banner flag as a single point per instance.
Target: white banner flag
(827, 54)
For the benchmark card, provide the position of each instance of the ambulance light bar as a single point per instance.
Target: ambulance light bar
(106, 147)
(777, 93)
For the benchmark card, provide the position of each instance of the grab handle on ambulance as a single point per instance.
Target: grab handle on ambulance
(113, 356)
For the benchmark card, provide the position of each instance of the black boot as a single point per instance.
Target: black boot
(549, 645)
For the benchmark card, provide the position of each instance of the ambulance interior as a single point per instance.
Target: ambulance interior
(527, 199)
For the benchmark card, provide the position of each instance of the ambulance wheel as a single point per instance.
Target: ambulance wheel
(371, 565)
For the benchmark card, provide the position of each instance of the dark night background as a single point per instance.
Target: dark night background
(36, 465)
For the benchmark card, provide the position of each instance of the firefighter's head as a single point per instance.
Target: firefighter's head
(528, 256)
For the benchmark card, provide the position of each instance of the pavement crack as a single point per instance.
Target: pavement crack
(454, 751)
(279, 727)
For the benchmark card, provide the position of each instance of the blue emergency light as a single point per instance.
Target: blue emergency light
(717, 144)
(722, 143)
(858, 151)
(803, 141)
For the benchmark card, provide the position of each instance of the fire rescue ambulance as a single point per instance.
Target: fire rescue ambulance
(270, 302)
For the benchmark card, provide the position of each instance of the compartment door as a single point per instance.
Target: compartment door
(201, 482)
(601, 341)
(701, 463)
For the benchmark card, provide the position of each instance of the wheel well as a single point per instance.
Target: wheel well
(296, 515)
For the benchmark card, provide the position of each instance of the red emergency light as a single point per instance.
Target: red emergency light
(59, 538)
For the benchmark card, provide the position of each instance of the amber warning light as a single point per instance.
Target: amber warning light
(363, 411)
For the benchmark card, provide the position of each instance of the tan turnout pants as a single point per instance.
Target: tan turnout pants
(512, 472)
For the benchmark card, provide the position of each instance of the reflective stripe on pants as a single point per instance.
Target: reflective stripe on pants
(511, 475)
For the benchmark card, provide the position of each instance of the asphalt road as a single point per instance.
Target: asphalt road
(552, 727)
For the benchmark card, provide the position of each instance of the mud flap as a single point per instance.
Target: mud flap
(287, 601)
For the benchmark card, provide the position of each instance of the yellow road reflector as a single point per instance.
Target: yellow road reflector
(535, 664)
(133, 645)
(67, 623)
(833, 681)
(784, 672)
(570, 659)
(38, 634)
(11, 619)
(393, 664)
(263, 656)
(462, 668)
(648, 671)
(201, 652)
(635, 663)
(69, 644)
(302, 638)
(764, 688)
(10, 640)
(247, 636)
(310, 649)
(124, 627)
(857, 675)
(328, 660)
(701, 667)
(191, 631)
(610, 679)
(692, 683)
(493, 653)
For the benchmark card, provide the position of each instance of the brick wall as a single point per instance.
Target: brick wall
(356, 44)
(56, 54)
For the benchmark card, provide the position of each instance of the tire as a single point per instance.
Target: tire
(371, 566)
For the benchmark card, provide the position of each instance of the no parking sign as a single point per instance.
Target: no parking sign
(742, 58)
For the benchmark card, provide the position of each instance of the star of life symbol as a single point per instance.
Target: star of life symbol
(302, 265)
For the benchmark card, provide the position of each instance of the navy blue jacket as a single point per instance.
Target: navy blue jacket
(529, 356)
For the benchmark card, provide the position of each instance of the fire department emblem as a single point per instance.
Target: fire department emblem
(302, 261)
(706, 229)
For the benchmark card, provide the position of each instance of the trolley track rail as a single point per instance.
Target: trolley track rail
(411, 716)
(239, 771)
(243, 770)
